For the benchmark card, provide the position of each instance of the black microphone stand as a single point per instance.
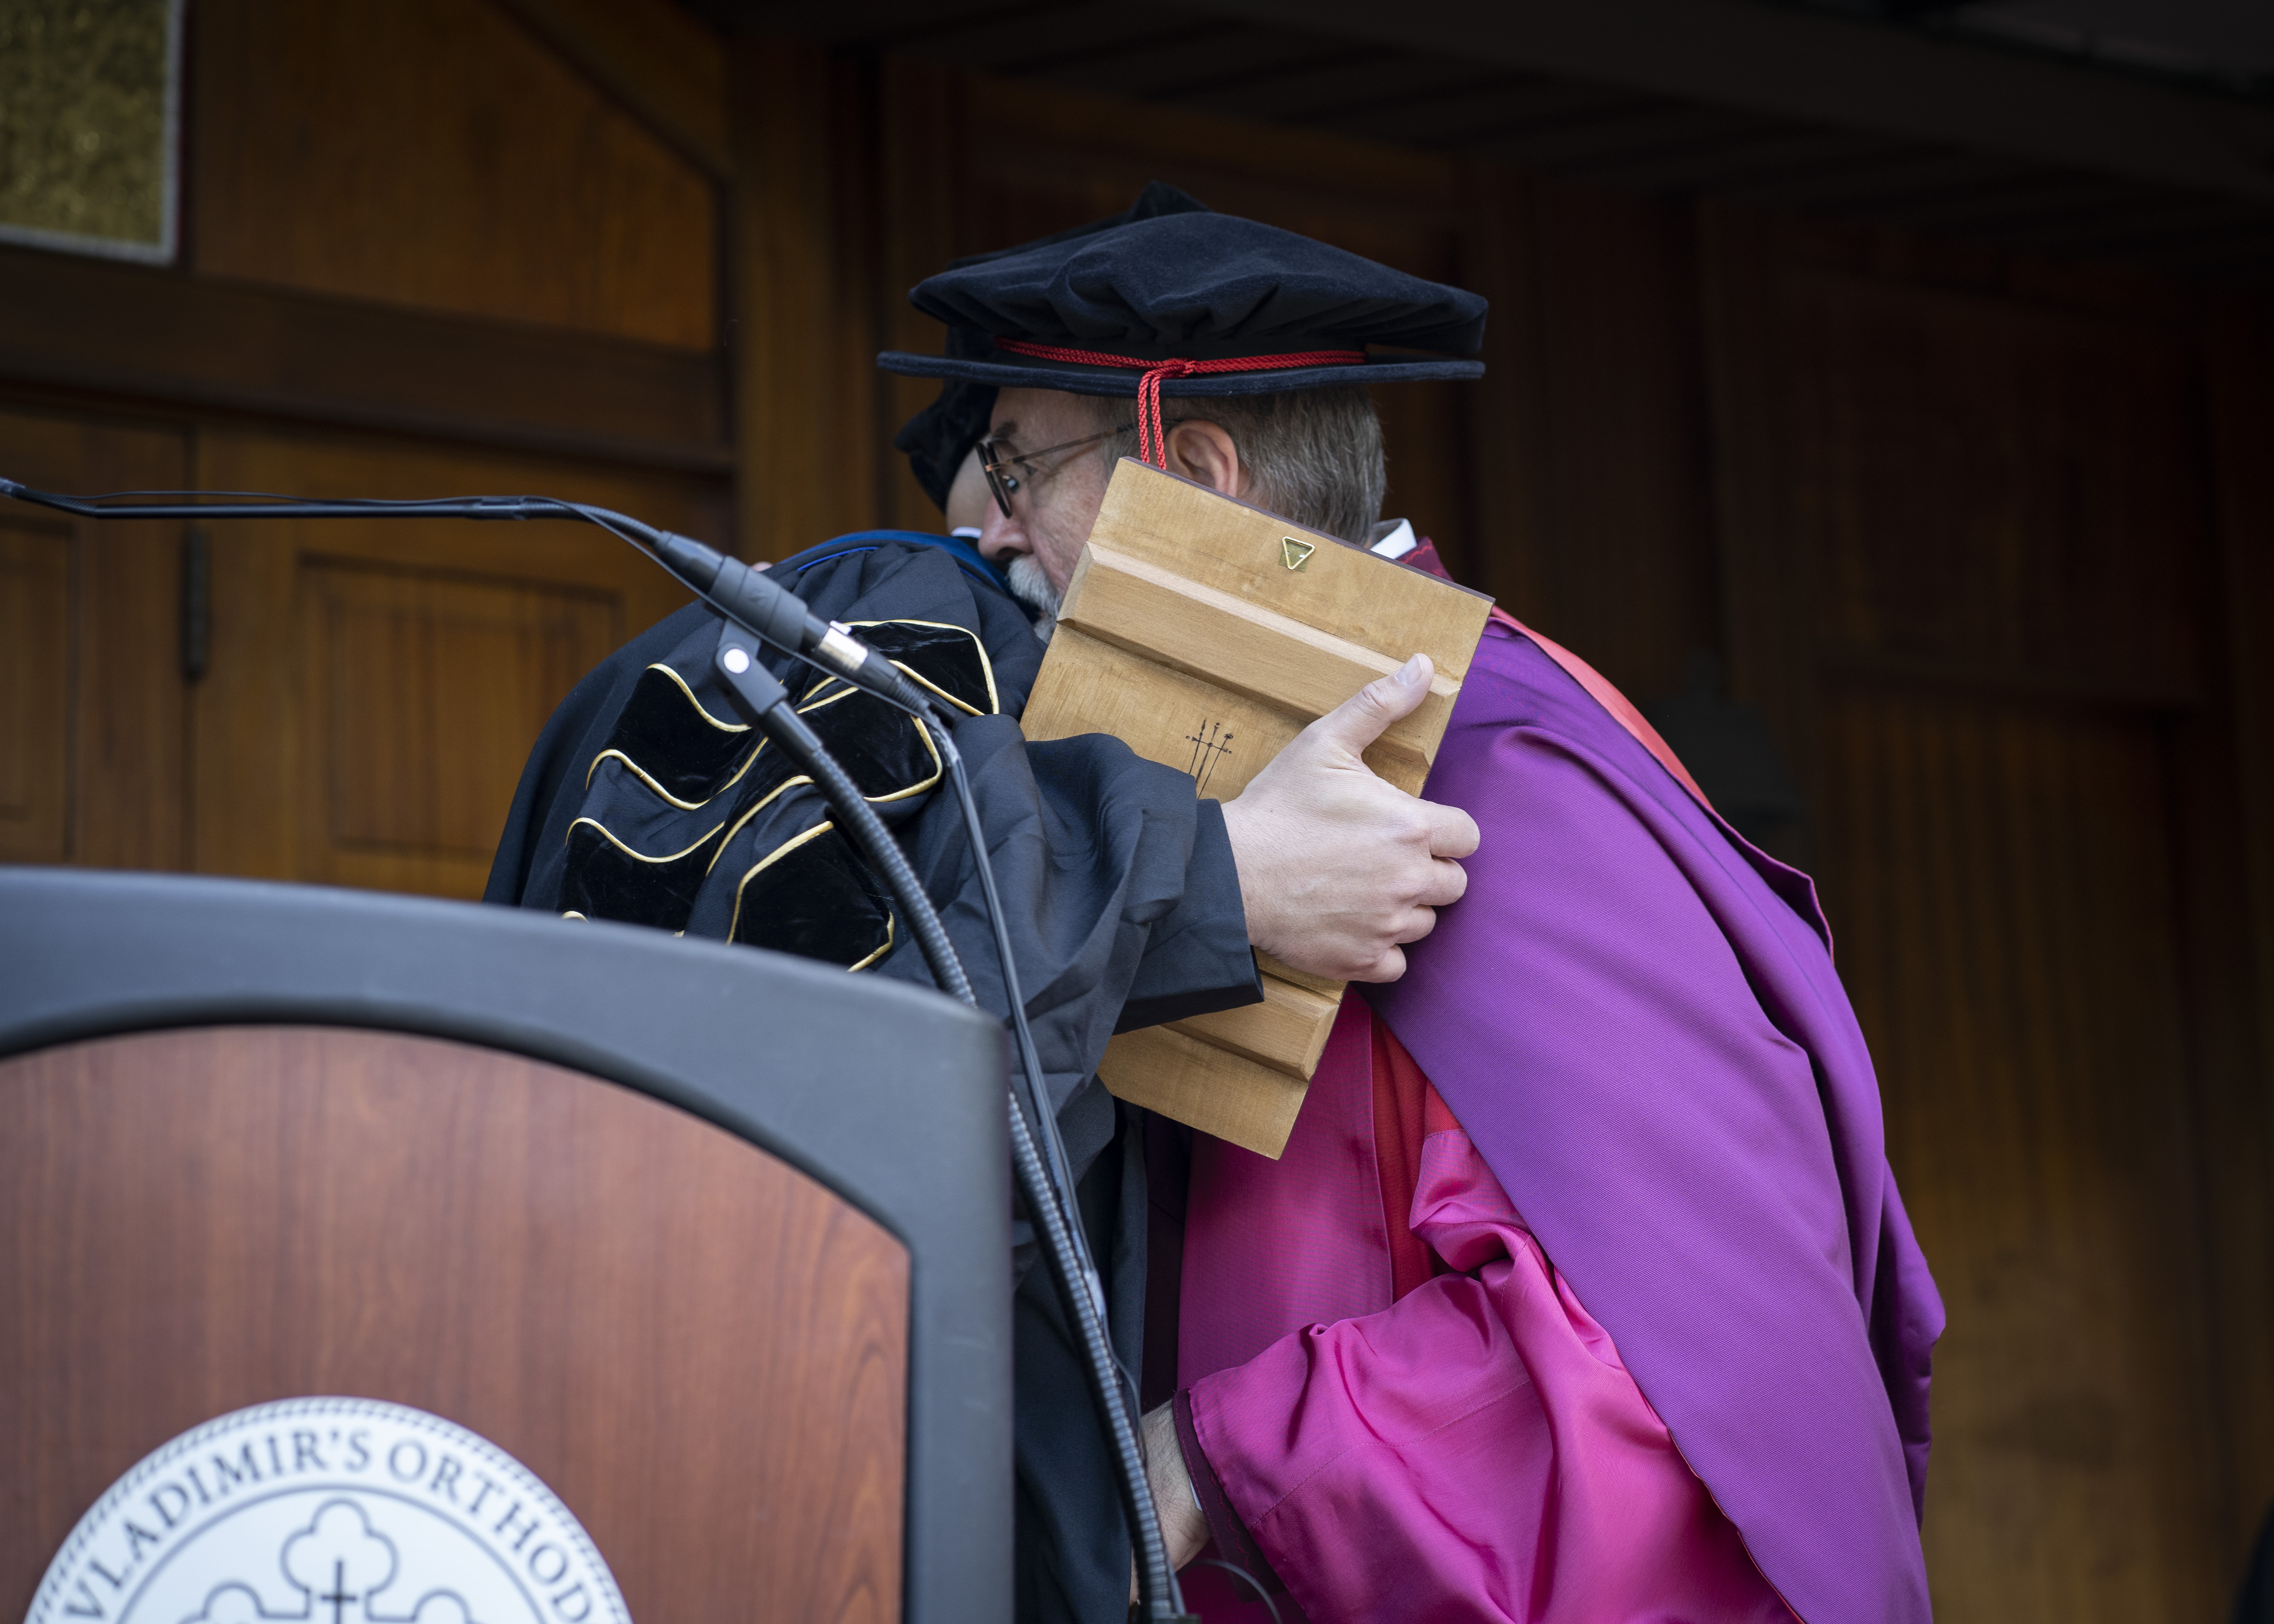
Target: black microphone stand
(755, 610)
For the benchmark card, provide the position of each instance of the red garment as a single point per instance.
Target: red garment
(1398, 1409)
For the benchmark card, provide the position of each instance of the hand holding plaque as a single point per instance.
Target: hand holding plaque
(1337, 869)
(1214, 636)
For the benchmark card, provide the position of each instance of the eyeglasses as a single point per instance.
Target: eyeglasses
(998, 467)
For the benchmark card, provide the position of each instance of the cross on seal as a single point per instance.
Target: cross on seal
(339, 1598)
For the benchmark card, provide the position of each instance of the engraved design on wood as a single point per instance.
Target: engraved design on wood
(1211, 743)
(1177, 610)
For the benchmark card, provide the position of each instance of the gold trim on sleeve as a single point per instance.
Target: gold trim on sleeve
(891, 920)
(978, 647)
(768, 862)
(645, 776)
(641, 856)
(760, 805)
(724, 727)
(783, 850)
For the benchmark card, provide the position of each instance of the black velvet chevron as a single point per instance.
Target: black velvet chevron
(694, 822)
(689, 753)
(947, 659)
(819, 901)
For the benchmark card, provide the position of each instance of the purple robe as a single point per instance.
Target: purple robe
(1634, 1018)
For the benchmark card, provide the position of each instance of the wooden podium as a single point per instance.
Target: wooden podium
(711, 1240)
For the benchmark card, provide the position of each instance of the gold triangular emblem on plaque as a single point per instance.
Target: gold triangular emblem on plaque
(1295, 554)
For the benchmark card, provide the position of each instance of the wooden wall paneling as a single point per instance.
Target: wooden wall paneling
(1764, 571)
(2009, 492)
(421, 688)
(144, 334)
(924, 158)
(36, 683)
(436, 153)
(2009, 927)
(1611, 463)
(701, 1349)
(655, 58)
(2229, 1261)
(375, 687)
(1994, 488)
(2238, 1121)
(1506, 427)
(1964, 554)
(129, 766)
(91, 703)
(1078, 156)
(2075, 286)
(855, 178)
(1042, 160)
(805, 418)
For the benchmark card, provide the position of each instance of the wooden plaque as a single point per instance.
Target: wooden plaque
(1206, 634)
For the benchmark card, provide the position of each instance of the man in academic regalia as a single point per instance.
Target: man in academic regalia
(1582, 1291)
(648, 801)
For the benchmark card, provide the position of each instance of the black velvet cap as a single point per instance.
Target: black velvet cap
(1187, 283)
(935, 439)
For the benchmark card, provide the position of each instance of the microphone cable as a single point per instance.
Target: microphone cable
(772, 614)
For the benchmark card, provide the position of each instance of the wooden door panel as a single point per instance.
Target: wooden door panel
(34, 688)
(375, 687)
(2001, 877)
(1967, 554)
(2000, 489)
(437, 153)
(424, 689)
(91, 691)
(1594, 488)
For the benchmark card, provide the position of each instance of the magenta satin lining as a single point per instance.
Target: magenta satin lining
(1476, 1450)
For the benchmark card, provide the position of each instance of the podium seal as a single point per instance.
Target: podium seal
(329, 1511)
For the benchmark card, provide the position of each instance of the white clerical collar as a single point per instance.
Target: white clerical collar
(1394, 538)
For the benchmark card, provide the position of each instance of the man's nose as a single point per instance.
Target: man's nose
(1001, 539)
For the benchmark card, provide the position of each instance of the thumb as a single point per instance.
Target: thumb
(1365, 715)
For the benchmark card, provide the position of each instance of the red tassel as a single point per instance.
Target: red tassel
(1152, 439)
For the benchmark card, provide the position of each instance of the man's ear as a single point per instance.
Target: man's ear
(1201, 451)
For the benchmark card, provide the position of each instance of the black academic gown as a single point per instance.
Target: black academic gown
(644, 799)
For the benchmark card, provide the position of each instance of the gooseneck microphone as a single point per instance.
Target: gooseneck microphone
(744, 594)
(764, 609)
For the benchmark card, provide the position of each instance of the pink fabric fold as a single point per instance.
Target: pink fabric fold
(1287, 1241)
(1476, 1449)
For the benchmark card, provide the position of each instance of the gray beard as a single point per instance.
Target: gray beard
(1032, 587)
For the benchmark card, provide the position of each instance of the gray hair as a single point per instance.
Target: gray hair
(1313, 456)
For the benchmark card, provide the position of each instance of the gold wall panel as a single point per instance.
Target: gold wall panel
(88, 90)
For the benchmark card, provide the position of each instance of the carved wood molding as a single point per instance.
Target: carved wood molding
(180, 339)
(665, 66)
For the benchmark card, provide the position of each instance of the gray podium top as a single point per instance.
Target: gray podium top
(892, 1096)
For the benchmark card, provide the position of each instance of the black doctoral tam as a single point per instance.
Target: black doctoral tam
(1191, 302)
